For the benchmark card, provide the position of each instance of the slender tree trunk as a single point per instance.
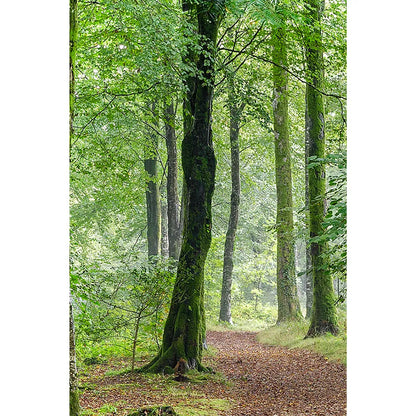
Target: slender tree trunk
(227, 272)
(184, 332)
(174, 226)
(73, 28)
(74, 407)
(153, 194)
(308, 266)
(287, 297)
(136, 332)
(323, 317)
(164, 240)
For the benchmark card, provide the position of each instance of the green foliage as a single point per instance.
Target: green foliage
(122, 296)
(335, 223)
(132, 53)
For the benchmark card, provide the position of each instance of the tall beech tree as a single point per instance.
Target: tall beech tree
(152, 191)
(184, 333)
(287, 297)
(74, 406)
(174, 224)
(323, 317)
(236, 110)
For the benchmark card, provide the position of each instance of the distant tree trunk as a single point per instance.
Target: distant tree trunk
(308, 266)
(227, 272)
(164, 240)
(74, 407)
(287, 297)
(184, 332)
(73, 28)
(152, 193)
(323, 317)
(174, 226)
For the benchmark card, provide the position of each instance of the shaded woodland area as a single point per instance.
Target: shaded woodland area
(207, 191)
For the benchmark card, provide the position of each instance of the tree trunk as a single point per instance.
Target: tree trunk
(323, 317)
(74, 407)
(174, 226)
(308, 266)
(73, 28)
(164, 240)
(135, 334)
(184, 333)
(227, 272)
(152, 194)
(287, 297)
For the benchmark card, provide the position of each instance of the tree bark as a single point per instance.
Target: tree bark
(308, 265)
(152, 194)
(323, 317)
(227, 272)
(184, 333)
(287, 297)
(74, 407)
(174, 226)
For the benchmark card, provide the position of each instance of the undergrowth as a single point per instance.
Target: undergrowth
(292, 335)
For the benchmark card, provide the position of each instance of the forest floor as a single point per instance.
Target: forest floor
(251, 379)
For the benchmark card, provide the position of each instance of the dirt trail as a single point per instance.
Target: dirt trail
(261, 381)
(271, 381)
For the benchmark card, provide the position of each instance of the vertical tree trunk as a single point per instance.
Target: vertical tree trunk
(184, 331)
(74, 408)
(308, 266)
(287, 297)
(164, 226)
(323, 317)
(174, 226)
(227, 272)
(153, 193)
(73, 28)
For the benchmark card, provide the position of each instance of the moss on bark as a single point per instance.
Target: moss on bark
(184, 333)
(287, 298)
(323, 317)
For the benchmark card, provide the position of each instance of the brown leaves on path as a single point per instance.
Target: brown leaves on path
(272, 381)
(261, 381)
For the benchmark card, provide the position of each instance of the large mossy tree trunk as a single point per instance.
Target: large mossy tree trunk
(174, 225)
(227, 272)
(287, 297)
(184, 333)
(323, 318)
(152, 191)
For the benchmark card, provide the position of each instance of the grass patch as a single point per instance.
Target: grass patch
(292, 334)
(202, 407)
(104, 410)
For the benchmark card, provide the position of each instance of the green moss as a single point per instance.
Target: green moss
(291, 335)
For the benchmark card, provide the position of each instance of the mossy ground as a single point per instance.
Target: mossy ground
(291, 335)
(110, 388)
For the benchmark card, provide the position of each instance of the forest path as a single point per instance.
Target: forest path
(271, 381)
(252, 380)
